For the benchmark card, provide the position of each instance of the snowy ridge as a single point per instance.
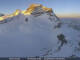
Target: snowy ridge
(39, 34)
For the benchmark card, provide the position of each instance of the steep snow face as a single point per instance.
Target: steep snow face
(38, 34)
(27, 35)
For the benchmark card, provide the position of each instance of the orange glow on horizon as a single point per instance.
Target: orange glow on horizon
(69, 15)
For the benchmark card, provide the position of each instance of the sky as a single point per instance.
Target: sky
(62, 8)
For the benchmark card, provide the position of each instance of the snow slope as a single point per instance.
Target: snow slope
(37, 35)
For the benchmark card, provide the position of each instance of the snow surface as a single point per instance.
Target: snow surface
(37, 37)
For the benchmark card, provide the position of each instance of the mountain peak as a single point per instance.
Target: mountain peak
(17, 12)
(10, 15)
(29, 11)
(34, 7)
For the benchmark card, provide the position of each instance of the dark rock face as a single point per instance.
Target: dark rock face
(1, 14)
(26, 19)
(59, 25)
(79, 43)
(2, 22)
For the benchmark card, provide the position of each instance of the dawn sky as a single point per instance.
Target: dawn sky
(61, 7)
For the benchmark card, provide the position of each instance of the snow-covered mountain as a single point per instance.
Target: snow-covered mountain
(37, 31)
